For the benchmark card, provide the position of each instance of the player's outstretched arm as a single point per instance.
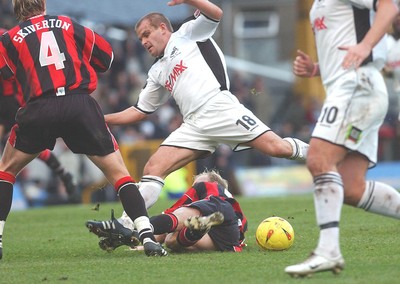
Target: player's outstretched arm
(127, 116)
(204, 6)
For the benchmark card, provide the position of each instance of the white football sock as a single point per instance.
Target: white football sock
(2, 223)
(150, 187)
(126, 221)
(299, 148)
(142, 225)
(328, 201)
(380, 198)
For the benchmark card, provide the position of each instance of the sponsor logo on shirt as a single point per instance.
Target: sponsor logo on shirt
(173, 76)
(394, 64)
(319, 24)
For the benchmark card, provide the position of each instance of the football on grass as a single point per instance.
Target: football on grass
(275, 233)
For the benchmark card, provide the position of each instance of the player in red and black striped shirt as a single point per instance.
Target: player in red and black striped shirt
(54, 56)
(54, 61)
(8, 108)
(8, 103)
(11, 100)
(208, 194)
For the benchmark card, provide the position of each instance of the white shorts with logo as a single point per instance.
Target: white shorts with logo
(354, 110)
(223, 120)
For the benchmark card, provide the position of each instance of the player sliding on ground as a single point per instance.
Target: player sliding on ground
(206, 217)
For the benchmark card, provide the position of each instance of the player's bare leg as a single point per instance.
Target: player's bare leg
(272, 145)
(11, 163)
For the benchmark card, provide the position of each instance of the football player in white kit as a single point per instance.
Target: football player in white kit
(191, 69)
(349, 37)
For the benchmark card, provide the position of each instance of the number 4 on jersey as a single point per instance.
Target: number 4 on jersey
(50, 52)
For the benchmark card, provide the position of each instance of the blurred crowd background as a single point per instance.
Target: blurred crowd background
(257, 56)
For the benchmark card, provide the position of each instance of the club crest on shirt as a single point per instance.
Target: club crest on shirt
(174, 53)
(353, 134)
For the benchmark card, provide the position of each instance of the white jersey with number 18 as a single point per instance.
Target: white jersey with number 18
(192, 70)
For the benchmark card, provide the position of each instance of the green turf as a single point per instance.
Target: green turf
(52, 245)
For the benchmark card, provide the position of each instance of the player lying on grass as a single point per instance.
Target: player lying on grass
(206, 217)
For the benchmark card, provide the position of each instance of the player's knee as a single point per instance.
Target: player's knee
(151, 168)
(315, 166)
(154, 168)
(148, 169)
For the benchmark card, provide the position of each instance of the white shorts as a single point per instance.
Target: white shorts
(354, 110)
(223, 120)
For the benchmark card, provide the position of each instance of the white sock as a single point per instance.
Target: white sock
(126, 221)
(380, 198)
(143, 226)
(299, 149)
(150, 188)
(328, 202)
(2, 223)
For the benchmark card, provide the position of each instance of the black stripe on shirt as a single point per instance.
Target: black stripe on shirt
(362, 24)
(213, 60)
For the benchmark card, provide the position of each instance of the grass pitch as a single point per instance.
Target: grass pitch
(52, 245)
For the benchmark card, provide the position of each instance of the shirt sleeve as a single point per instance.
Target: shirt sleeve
(199, 29)
(102, 55)
(5, 71)
(188, 197)
(152, 96)
(368, 4)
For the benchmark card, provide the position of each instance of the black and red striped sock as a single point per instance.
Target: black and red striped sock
(187, 237)
(164, 223)
(130, 197)
(134, 206)
(6, 193)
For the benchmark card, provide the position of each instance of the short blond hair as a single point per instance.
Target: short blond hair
(155, 20)
(25, 9)
(212, 176)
